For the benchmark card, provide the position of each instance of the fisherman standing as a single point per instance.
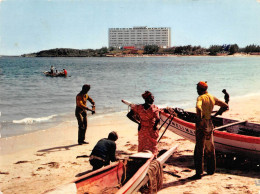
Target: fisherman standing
(81, 112)
(204, 131)
(221, 110)
(226, 96)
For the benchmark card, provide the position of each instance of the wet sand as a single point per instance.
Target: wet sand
(37, 162)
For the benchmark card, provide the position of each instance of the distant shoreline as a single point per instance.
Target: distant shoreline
(156, 55)
(143, 55)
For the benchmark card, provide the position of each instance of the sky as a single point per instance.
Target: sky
(28, 26)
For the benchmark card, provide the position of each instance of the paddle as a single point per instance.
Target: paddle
(166, 127)
(164, 122)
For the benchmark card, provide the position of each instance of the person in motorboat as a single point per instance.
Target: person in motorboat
(81, 112)
(104, 151)
(64, 72)
(52, 70)
(147, 117)
(204, 130)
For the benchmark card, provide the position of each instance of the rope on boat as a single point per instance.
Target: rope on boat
(155, 178)
(123, 178)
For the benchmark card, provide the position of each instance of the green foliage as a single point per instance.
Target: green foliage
(151, 49)
(233, 49)
(214, 49)
(185, 50)
(252, 48)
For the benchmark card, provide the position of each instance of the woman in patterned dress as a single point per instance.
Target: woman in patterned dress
(147, 117)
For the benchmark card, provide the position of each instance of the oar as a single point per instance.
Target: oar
(164, 122)
(166, 128)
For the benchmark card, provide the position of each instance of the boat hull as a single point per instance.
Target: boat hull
(226, 142)
(108, 179)
(48, 74)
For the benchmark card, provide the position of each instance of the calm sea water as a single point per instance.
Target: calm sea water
(30, 101)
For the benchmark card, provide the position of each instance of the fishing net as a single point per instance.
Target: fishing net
(155, 178)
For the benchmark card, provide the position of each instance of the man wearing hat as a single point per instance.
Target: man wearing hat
(81, 112)
(104, 151)
(204, 130)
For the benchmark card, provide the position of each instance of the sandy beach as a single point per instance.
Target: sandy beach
(40, 161)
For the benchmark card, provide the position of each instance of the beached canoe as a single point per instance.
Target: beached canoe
(125, 176)
(240, 138)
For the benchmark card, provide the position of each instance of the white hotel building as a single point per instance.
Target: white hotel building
(139, 37)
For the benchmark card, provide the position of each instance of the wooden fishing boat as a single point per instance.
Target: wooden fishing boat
(125, 176)
(240, 138)
(231, 136)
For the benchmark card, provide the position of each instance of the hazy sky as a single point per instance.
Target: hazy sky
(28, 26)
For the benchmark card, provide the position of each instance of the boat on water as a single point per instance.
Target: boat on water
(59, 74)
(234, 137)
(123, 177)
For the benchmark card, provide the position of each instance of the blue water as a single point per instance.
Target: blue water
(30, 101)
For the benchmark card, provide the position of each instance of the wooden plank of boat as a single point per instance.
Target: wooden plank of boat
(130, 186)
(229, 125)
(162, 159)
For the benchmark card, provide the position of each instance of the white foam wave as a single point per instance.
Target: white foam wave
(247, 95)
(33, 120)
(186, 104)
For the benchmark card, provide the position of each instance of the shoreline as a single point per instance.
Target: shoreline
(142, 55)
(102, 115)
(43, 160)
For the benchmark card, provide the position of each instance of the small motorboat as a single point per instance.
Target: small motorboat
(58, 74)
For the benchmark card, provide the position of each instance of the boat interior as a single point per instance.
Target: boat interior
(111, 179)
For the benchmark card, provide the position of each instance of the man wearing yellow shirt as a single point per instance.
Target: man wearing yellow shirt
(81, 112)
(204, 131)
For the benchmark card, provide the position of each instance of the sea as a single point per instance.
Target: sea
(31, 101)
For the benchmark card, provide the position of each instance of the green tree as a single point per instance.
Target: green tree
(151, 49)
(214, 49)
(252, 48)
(233, 49)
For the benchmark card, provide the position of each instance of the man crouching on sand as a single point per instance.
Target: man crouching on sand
(204, 130)
(104, 151)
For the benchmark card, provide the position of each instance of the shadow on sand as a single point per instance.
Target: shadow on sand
(83, 173)
(225, 165)
(59, 148)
